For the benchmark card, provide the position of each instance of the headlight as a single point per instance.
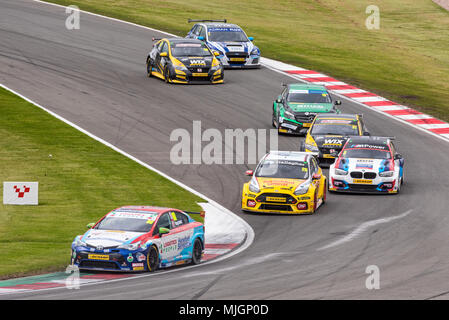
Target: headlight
(254, 186)
(289, 115)
(302, 188)
(255, 52)
(78, 242)
(311, 147)
(130, 246)
(341, 172)
(215, 63)
(386, 174)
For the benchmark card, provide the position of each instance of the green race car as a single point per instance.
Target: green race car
(298, 104)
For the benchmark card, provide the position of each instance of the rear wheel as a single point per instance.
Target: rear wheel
(152, 259)
(197, 251)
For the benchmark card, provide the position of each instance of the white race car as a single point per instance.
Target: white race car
(367, 165)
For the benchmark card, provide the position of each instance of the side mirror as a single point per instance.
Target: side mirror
(201, 38)
(397, 156)
(163, 231)
(366, 133)
(251, 38)
(337, 102)
(249, 172)
(278, 100)
(164, 54)
(90, 225)
(216, 53)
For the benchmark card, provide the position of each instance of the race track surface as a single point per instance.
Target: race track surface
(95, 77)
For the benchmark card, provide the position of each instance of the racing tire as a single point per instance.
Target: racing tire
(302, 146)
(149, 69)
(197, 251)
(167, 74)
(273, 121)
(152, 259)
(326, 187)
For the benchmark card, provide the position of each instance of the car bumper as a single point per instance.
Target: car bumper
(122, 261)
(188, 77)
(292, 127)
(305, 202)
(345, 184)
(245, 63)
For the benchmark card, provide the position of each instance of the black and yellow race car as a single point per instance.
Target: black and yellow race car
(329, 132)
(179, 60)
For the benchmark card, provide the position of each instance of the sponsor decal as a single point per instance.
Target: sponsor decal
(140, 257)
(183, 243)
(333, 142)
(97, 257)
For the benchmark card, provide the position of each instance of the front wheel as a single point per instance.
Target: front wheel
(152, 259)
(197, 251)
(149, 68)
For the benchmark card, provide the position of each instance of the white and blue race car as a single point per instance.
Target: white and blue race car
(367, 165)
(139, 238)
(236, 49)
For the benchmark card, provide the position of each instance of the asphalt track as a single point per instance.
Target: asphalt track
(95, 77)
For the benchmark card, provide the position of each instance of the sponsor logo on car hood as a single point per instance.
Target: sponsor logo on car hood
(330, 141)
(310, 107)
(279, 183)
(109, 238)
(196, 62)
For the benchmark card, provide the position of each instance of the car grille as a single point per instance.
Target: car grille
(274, 207)
(362, 187)
(99, 264)
(240, 55)
(304, 118)
(263, 197)
(366, 175)
(198, 70)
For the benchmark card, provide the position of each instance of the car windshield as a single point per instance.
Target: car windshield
(369, 152)
(189, 49)
(124, 221)
(308, 96)
(342, 127)
(285, 169)
(227, 35)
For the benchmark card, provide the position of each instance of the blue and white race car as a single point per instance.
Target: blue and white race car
(367, 165)
(139, 238)
(236, 49)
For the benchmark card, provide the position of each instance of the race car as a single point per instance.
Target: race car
(329, 132)
(297, 106)
(367, 165)
(235, 48)
(285, 182)
(178, 60)
(139, 238)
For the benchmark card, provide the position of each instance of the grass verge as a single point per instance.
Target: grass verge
(406, 60)
(80, 182)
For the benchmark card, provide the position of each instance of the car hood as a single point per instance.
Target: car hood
(365, 165)
(329, 141)
(278, 184)
(109, 238)
(310, 107)
(197, 62)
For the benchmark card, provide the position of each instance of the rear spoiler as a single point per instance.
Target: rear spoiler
(201, 213)
(206, 20)
(156, 39)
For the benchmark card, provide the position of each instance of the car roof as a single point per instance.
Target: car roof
(302, 86)
(337, 116)
(220, 25)
(369, 139)
(145, 209)
(182, 40)
(288, 155)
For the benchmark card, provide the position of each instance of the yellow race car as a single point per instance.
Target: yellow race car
(287, 182)
(179, 60)
(329, 132)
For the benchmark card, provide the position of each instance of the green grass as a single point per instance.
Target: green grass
(78, 184)
(407, 60)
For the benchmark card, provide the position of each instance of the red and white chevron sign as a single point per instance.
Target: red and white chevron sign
(21, 193)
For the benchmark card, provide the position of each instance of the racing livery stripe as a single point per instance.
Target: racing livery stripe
(365, 98)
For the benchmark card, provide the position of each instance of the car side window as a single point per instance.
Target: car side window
(159, 45)
(192, 32)
(313, 166)
(203, 32)
(165, 47)
(198, 30)
(163, 222)
(178, 219)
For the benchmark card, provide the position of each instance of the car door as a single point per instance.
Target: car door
(168, 242)
(183, 231)
(161, 61)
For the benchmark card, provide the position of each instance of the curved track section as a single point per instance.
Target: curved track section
(95, 78)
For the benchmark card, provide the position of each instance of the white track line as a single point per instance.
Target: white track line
(363, 228)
